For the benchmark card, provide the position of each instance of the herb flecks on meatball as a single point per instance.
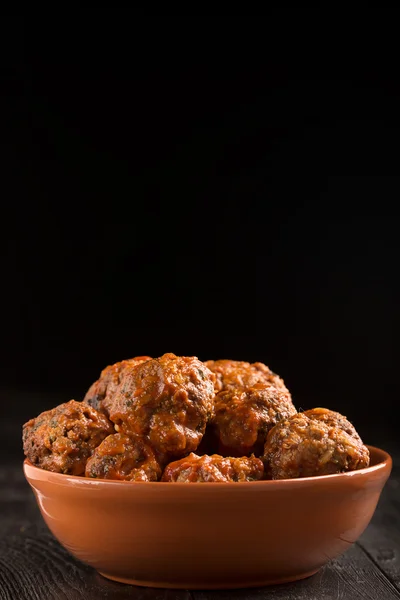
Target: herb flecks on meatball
(214, 468)
(315, 442)
(102, 391)
(62, 439)
(124, 458)
(169, 400)
(236, 374)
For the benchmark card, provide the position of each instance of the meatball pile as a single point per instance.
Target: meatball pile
(177, 419)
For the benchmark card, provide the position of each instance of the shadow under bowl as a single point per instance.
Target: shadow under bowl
(213, 535)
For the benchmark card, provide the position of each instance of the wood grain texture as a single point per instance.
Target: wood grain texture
(381, 540)
(34, 566)
(350, 577)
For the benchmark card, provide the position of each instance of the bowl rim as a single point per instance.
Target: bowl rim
(36, 473)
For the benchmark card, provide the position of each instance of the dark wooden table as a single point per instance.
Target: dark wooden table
(33, 564)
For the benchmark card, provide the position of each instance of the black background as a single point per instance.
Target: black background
(166, 189)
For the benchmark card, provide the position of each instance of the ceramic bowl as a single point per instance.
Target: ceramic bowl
(209, 535)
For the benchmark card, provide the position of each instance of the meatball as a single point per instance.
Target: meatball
(62, 439)
(121, 457)
(213, 468)
(315, 442)
(234, 374)
(101, 392)
(243, 417)
(168, 399)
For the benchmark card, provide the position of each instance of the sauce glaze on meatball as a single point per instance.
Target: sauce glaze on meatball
(213, 468)
(62, 439)
(236, 374)
(243, 417)
(123, 458)
(169, 399)
(315, 442)
(101, 392)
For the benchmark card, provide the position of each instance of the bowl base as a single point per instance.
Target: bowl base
(209, 586)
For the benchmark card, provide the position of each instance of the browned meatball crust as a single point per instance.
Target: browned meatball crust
(101, 392)
(243, 417)
(214, 468)
(62, 439)
(333, 419)
(168, 399)
(315, 442)
(233, 374)
(123, 458)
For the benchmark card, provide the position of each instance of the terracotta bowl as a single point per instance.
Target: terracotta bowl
(209, 535)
